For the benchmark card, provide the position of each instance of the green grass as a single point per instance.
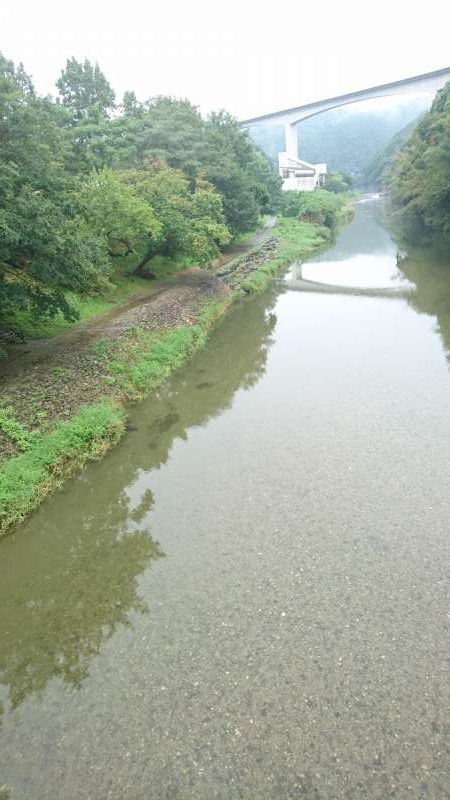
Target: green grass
(141, 361)
(243, 237)
(124, 286)
(14, 430)
(27, 478)
(87, 307)
(297, 240)
(137, 363)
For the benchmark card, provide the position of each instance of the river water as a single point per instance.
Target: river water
(250, 596)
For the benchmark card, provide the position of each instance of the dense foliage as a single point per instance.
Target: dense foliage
(377, 171)
(88, 187)
(320, 206)
(419, 181)
(338, 182)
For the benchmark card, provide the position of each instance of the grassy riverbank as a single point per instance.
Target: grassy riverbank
(53, 432)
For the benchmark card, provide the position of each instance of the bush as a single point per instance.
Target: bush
(320, 207)
(338, 182)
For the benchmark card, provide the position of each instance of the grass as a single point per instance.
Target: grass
(246, 235)
(87, 307)
(141, 361)
(124, 286)
(297, 240)
(27, 478)
(14, 430)
(136, 364)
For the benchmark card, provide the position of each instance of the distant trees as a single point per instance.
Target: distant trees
(338, 182)
(419, 181)
(377, 171)
(346, 140)
(86, 184)
(320, 207)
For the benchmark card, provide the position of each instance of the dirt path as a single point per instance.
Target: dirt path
(161, 306)
(49, 379)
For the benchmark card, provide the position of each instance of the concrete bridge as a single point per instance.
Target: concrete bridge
(429, 83)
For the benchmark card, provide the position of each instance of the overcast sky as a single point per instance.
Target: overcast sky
(249, 57)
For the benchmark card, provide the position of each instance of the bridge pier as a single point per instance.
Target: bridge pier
(291, 140)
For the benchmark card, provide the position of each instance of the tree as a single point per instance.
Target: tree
(192, 222)
(85, 91)
(419, 181)
(115, 212)
(240, 172)
(79, 186)
(338, 182)
(45, 249)
(320, 207)
(131, 107)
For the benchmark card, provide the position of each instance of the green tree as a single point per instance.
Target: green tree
(320, 207)
(85, 91)
(114, 211)
(240, 172)
(338, 182)
(419, 181)
(45, 249)
(192, 221)
(131, 107)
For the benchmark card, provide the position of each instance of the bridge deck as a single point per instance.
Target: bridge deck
(350, 97)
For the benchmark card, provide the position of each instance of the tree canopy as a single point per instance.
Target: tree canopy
(87, 184)
(419, 181)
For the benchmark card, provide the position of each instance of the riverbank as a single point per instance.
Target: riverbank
(62, 409)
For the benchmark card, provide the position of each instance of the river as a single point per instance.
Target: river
(250, 596)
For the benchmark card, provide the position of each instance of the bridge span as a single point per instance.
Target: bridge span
(429, 82)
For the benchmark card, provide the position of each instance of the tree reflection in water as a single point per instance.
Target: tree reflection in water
(59, 614)
(70, 576)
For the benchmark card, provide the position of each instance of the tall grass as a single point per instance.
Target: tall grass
(296, 240)
(27, 478)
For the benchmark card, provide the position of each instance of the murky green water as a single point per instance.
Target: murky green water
(250, 597)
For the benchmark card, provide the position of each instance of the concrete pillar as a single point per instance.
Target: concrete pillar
(291, 139)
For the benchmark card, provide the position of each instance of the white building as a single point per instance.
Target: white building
(300, 176)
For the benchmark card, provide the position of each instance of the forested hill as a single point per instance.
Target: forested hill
(90, 185)
(419, 181)
(347, 140)
(377, 171)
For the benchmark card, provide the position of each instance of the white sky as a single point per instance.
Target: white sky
(243, 55)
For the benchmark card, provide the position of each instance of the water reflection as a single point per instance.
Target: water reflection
(429, 269)
(364, 256)
(70, 576)
(234, 359)
(64, 593)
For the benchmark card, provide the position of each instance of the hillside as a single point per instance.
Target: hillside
(375, 174)
(419, 181)
(347, 140)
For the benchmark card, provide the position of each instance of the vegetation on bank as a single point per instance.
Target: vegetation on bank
(419, 181)
(377, 171)
(338, 182)
(132, 365)
(95, 197)
(92, 191)
(320, 207)
(308, 224)
(48, 459)
(296, 241)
